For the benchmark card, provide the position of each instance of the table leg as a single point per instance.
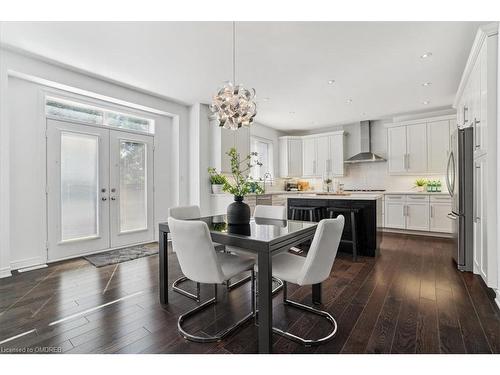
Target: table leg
(265, 303)
(163, 255)
(316, 294)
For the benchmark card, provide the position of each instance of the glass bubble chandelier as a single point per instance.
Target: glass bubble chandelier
(233, 104)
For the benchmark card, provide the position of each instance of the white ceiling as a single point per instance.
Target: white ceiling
(376, 64)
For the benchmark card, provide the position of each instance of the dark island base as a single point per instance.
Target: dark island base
(366, 223)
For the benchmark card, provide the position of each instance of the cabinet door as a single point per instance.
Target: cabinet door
(417, 215)
(394, 211)
(416, 148)
(283, 153)
(295, 157)
(309, 156)
(475, 103)
(337, 154)
(322, 155)
(438, 146)
(396, 143)
(479, 217)
(483, 99)
(439, 217)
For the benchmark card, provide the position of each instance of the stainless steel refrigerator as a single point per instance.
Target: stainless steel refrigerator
(459, 179)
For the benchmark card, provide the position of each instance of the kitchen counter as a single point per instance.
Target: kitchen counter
(351, 196)
(368, 219)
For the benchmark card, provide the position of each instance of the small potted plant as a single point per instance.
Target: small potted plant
(238, 212)
(420, 184)
(217, 180)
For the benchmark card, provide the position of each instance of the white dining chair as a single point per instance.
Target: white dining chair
(312, 269)
(261, 212)
(187, 213)
(201, 263)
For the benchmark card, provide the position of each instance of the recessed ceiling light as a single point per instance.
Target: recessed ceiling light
(266, 99)
(426, 102)
(348, 101)
(426, 83)
(426, 55)
(331, 81)
(292, 113)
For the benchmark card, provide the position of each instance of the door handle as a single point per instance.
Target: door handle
(113, 198)
(104, 199)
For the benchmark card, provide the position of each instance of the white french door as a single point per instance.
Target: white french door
(100, 189)
(131, 188)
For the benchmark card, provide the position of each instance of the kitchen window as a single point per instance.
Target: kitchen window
(264, 148)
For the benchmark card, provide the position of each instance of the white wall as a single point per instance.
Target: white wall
(22, 145)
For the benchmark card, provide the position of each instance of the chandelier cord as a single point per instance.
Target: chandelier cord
(234, 53)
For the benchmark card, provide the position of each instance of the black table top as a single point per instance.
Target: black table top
(259, 231)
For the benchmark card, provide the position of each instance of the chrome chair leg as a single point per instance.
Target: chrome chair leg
(301, 340)
(220, 335)
(176, 288)
(236, 284)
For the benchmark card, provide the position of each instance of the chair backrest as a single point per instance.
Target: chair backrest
(195, 251)
(322, 252)
(270, 212)
(184, 212)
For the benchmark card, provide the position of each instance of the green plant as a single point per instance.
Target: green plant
(328, 181)
(421, 182)
(240, 168)
(215, 177)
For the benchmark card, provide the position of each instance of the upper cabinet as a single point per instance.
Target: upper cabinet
(419, 147)
(438, 145)
(312, 155)
(322, 153)
(290, 161)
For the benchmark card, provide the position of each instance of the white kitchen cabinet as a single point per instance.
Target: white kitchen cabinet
(440, 207)
(419, 147)
(417, 212)
(394, 211)
(437, 150)
(396, 143)
(309, 157)
(416, 148)
(479, 217)
(290, 162)
(337, 154)
(322, 155)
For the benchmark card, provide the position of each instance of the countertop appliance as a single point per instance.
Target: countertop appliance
(459, 179)
(291, 186)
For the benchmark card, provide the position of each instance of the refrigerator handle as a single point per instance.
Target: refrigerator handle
(449, 184)
(451, 216)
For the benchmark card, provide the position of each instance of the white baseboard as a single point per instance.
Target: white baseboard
(5, 272)
(28, 262)
(21, 270)
(416, 232)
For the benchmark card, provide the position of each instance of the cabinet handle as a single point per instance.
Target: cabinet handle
(407, 161)
(474, 203)
(477, 141)
(432, 211)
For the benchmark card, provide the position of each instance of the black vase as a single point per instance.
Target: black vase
(238, 212)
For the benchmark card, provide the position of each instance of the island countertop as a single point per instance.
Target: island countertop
(351, 196)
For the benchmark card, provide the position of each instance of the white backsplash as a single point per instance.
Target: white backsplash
(375, 176)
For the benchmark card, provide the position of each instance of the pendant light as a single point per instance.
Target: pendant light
(233, 104)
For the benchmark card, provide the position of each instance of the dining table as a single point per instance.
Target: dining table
(264, 238)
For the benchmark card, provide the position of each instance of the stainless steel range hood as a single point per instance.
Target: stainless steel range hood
(365, 156)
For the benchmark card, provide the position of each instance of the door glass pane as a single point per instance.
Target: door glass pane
(79, 186)
(133, 192)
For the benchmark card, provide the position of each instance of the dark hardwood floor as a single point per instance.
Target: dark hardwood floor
(409, 299)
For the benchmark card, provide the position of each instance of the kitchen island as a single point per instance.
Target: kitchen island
(368, 219)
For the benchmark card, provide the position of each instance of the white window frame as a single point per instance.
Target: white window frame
(270, 158)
